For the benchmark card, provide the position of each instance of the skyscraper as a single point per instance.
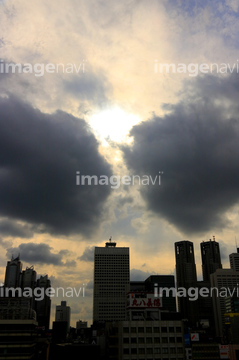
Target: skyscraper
(29, 281)
(63, 314)
(211, 258)
(186, 276)
(234, 260)
(225, 281)
(13, 273)
(29, 278)
(111, 282)
(43, 307)
(185, 264)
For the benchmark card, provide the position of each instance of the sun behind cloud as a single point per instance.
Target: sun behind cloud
(113, 123)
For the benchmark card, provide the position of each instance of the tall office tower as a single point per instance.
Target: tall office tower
(221, 281)
(234, 260)
(43, 306)
(29, 281)
(13, 273)
(111, 282)
(186, 277)
(63, 314)
(185, 263)
(211, 258)
(29, 278)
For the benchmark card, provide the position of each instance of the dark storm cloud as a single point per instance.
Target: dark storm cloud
(14, 229)
(38, 253)
(196, 145)
(39, 156)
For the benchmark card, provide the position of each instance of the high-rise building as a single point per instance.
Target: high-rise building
(234, 260)
(13, 273)
(211, 258)
(29, 281)
(111, 282)
(63, 314)
(223, 282)
(185, 264)
(43, 306)
(29, 278)
(186, 276)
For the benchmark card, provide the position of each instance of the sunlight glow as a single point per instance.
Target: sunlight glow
(113, 124)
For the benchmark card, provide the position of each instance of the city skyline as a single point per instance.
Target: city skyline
(76, 298)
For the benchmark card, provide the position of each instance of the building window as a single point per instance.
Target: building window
(164, 340)
(149, 351)
(126, 330)
(126, 340)
(149, 340)
(164, 329)
(157, 340)
(156, 329)
(141, 329)
(141, 351)
(164, 350)
(148, 330)
(141, 340)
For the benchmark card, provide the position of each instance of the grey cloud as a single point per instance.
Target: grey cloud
(38, 253)
(138, 275)
(90, 285)
(196, 146)
(40, 154)
(14, 229)
(70, 263)
(122, 200)
(88, 254)
(88, 87)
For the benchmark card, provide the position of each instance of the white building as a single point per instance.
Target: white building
(111, 282)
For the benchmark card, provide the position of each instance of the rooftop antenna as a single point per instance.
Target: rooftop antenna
(213, 237)
(236, 243)
(110, 243)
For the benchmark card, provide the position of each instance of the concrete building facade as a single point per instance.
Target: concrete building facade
(111, 282)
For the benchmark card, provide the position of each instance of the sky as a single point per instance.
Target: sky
(88, 95)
